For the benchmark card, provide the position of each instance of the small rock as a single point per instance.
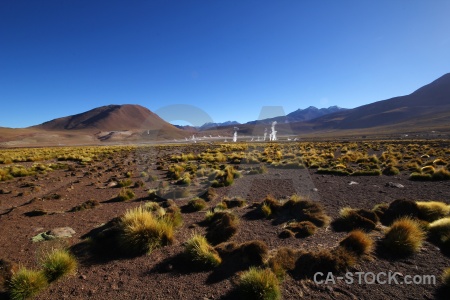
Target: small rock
(352, 183)
(315, 190)
(395, 185)
(62, 232)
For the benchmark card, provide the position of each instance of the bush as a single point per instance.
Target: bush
(125, 183)
(58, 263)
(357, 242)
(283, 261)
(391, 170)
(126, 194)
(302, 229)
(222, 226)
(439, 230)
(446, 278)
(433, 210)
(404, 237)
(196, 204)
(335, 260)
(90, 204)
(26, 284)
(305, 210)
(350, 219)
(259, 284)
(400, 208)
(234, 202)
(210, 194)
(141, 231)
(441, 174)
(200, 252)
(416, 176)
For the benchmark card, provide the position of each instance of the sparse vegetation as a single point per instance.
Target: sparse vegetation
(357, 242)
(141, 231)
(26, 284)
(404, 237)
(126, 194)
(259, 284)
(200, 252)
(58, 263)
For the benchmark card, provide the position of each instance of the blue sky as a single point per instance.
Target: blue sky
(228, 58)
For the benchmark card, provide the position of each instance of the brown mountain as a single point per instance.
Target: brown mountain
(430, 103)
(110, 118)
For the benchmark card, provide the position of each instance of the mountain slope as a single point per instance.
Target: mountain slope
(430, 99)
(300, 115)
(109, 118)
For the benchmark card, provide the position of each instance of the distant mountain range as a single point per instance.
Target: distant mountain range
(425, 110)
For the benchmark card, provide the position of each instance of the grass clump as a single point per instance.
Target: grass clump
(58, 263)
(283, 261)
(432, 210)
(404, 237)
(259, 284)
(446, 278)
(90, 204)
(126, 194)
(196, 204)
(141, 231)
(304, 210)
(439, 233)
(234, 202)
(357, 242)
(350, 219)
(125, 183)
(391, 170)
(398, 209)
(441, 174)
(201, 253)
(26, 283)
(210, 194)
(334, 260)
(222, 225)
(302, 229)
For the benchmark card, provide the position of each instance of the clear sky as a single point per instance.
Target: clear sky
(228, 58)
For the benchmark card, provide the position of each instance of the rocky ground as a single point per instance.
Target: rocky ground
(156, 276)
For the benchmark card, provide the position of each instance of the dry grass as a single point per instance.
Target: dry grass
(446, 278)
(58, 263)
(222, 226)
(260, 284)
(141, 231)
(404, 237)
(201, 253)
(432, 210)
(350, 219)
(302, 229)
(357, 242)
(26, 283)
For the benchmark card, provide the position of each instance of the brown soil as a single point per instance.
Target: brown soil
(159, 276)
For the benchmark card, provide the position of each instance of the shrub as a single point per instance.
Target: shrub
(441, 174)
(234, 202)
(26, 284)
(126, 194)
(400, 208)
(432, 210)
(350, 219)
(439, 231)
(266, 210)
(335, 260)
(420, 176)
(141, 231)
(200, 252)
(380, 209)
(259, 284)
(173, 214)
(90, 204)
(404, 237)
(196, 204)
(391, 170)
(125, 183)
(210, 194)
(446, 278)
(283, 261)
(302, 229)
(58, 263)
(357, 242)
(222, 226)
(306, 210)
